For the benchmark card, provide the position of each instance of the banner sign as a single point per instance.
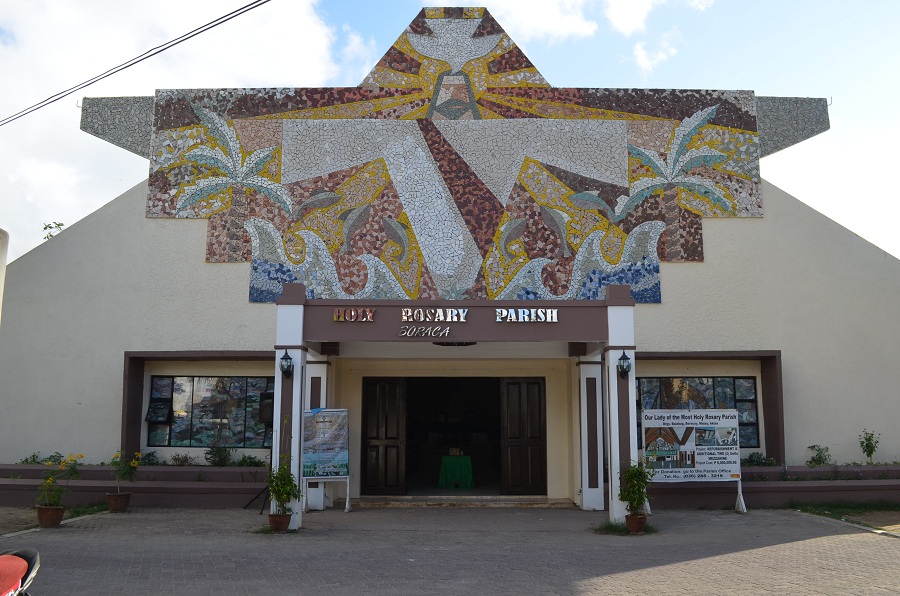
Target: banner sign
(686, 445)
(326, 443)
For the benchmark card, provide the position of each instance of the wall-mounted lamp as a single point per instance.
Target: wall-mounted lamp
(287, 365)
(624, 365)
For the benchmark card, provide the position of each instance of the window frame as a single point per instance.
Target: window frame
(162, 393)
(714, 382)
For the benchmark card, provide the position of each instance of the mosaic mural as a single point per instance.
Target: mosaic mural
(454, 171)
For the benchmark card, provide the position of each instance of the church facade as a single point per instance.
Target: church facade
(459, 254)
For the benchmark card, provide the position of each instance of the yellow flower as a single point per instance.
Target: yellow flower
(134, 464)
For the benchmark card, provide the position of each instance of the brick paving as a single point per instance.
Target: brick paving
(459, 551)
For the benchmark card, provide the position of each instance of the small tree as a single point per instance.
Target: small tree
(124, 469)
(868, 442)
(51, 491)
(283, 487)
(635, 480)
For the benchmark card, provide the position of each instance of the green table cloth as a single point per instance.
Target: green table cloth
(456, 472)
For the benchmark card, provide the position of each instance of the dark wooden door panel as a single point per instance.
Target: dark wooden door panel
(523, 437)
(384, 448)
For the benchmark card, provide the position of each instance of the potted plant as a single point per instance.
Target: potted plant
(282, 490)
(635, 480)
(124, 470)
(49, 505)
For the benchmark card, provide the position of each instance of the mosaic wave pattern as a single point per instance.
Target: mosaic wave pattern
(454, 171)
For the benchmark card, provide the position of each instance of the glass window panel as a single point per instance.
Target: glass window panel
(704, 392)
(161, 388)
(724, 393)
(649, 392)
(270, 388)
(209, 411)
(746, 413)
(686, 393)
(158, 435)
(749, 436)
(235, 412)
(159, 411)
(206, 411)
(182, 393)
(255, 431)
(745, 389)
(218, 411)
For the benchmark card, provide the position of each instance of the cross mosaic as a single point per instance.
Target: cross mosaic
(454, 171)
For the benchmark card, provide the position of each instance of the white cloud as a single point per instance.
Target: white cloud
(648, 60)
(55, 172)
(700, 4)
(542, 20)
(357, 57)
(629, 16)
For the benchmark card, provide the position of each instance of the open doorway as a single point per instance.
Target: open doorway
(454, 435)
(459, 415)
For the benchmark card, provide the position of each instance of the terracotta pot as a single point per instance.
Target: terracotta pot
(279, 522)
(49, 517)
(118, 502)
(636, 523)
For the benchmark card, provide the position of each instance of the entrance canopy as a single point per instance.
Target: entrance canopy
(455, 321)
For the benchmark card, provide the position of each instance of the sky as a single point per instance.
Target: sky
(843, 51)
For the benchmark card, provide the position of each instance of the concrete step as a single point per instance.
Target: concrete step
(457, 501)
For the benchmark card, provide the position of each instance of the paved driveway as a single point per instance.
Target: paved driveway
(460, 551)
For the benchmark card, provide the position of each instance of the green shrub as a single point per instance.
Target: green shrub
(758, 459)
(219, 456)
(635, 480)
(868, 442)
(283, 487)
(151, 458)
(249, 461)
(183, 459)
(820, 456)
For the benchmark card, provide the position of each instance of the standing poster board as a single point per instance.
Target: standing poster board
(693, 445)
(326, 447)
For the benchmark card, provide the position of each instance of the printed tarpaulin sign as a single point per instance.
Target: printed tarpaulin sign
(326, 444)
(685, 445)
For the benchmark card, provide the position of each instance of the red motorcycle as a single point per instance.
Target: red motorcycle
(17, 570)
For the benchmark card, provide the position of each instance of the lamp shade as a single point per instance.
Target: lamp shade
(624, 364)
(287, 365)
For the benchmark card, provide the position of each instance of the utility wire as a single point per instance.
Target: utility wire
(148, 54)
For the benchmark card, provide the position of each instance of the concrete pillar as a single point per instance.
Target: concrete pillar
(316, 392)
(287, 437)
(620, 394)
(590, 373)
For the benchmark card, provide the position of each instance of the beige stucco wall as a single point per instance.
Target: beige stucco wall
(798, 282)
(113, 282)
(562, 461)
(792, 281)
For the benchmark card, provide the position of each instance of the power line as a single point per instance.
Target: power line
(140, 58)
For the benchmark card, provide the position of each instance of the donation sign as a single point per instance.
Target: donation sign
(326, 443)
(684, 445)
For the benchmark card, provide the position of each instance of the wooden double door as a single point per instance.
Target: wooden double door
(523, 430)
